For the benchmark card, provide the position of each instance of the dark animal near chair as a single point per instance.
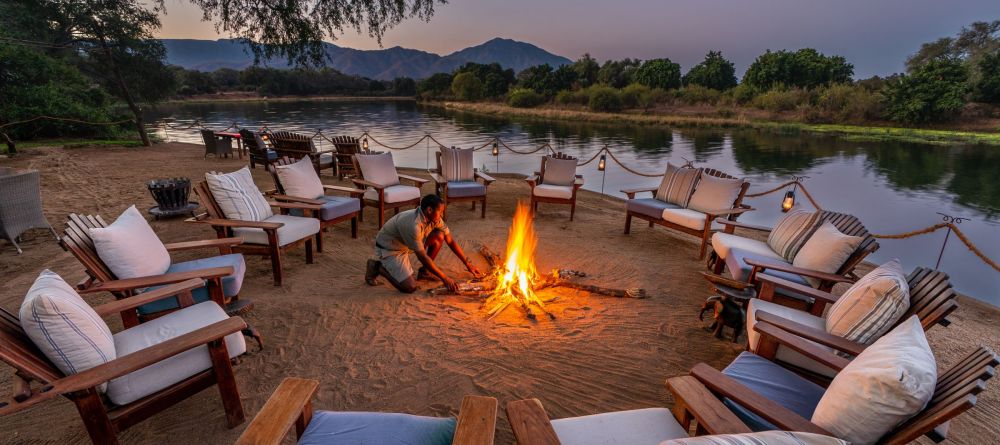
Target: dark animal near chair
(725, 312)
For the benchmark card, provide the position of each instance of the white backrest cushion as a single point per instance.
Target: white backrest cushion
(871, 306)
(891, 381)
(792, 232)
(456, 164)
(64, 327)
(678, 184)
(238, 196)
(826, 250)
(378, 168)
(713, 194)
(300, 179)
(761, 438)
(559, 171)
(129, 247)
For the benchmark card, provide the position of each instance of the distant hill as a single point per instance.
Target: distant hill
(383, 64)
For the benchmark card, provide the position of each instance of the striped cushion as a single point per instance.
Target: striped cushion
(678, 185)
(238, 196)
(64, 327)
(761, 438)
(792, 232)
(871, 306)
(456, 164)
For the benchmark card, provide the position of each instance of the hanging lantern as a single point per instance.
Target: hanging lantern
(789, 201)
(364, 143)
(496, 148)
(601, 164)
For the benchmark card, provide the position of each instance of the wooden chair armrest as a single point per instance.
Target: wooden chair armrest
(486, 178)
(725, 386)
(530, 423)
(128, 284)
(237, 223)
(417, 182)
(354, 192)
(631, 192)
(809, 333)
(771, 282)
(712, 214)
(762, 265)
(168, 291)
(148, 356)
(363, 183)
(742, 225)
(289, 198)
(438, 178)
(771, 336)
(477, 421)
(693, 400)
(290, 404)
(203, 244)
(295, 205)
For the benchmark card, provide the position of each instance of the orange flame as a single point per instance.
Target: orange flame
(516, 280)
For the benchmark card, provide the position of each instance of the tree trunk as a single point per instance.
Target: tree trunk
(136, 110)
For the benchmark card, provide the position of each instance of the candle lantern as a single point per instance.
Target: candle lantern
(602, 163)
(496, 148)
(789, 201)
(364, 143)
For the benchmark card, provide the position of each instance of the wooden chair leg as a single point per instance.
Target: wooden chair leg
(309, 251)
(483, 211)
(381, 214)
(95, 417)
(572, 209)
(720, 265)
(354, 227)
(628, 223)
(319, 240)
(276, 263)
(222, 368)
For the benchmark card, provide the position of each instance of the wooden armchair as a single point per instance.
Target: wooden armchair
(954, 394)
(296, 146)
(333, 209)
(256, 148)
(461, 191)
(846, 224)
(36, 379)
(382, 196)
(347, 147)
(932, 299)
(274, 247)
(77, 241)
(291, 405)
(692, 403)
(555, 194)
(652, 210)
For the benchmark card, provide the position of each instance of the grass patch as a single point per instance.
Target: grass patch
(79, 143)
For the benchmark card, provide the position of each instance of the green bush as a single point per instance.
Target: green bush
(742, 94)
(805, 68)
(697, 94)
(714, 72)
(988, 87)
(604, 98)
(934, 92)
(636, 96)
(850, 103)
(573, 97)
(780, 99)
(659, 73)
(524, 98)
(466, 86)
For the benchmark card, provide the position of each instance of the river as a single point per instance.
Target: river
(892, 187)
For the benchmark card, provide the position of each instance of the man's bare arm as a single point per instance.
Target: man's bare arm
(461, 255)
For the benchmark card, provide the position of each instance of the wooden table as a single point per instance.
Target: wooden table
(229, 138)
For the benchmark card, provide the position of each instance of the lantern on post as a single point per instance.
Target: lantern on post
(602, 163)
(496, 152)
(364, 143)
(788, 202)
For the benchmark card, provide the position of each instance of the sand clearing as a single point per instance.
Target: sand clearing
(375, 349)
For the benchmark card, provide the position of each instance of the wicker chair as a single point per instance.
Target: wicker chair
(21, 206)
(215, 145)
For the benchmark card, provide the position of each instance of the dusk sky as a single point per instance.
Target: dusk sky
(875, 35)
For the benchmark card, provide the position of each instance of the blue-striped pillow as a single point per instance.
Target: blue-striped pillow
(64, 327)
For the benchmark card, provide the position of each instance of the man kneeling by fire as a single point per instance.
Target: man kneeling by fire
(421, 231)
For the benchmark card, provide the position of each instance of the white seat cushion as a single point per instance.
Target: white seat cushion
(160, 375)
(294, 229)
(130, 248)
(825, 251)
(64, 327)
(691, 219)
(300, 179)
(553, 191)
(761, 438)
(714, 194)
(889, 382)
(723, 242)
(238, 196)
(784, 354)
(395, 193)
(648, 426)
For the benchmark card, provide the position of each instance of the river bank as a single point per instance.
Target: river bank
(848, 132)
(254, 97)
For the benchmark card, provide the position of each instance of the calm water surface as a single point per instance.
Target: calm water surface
(892, 187)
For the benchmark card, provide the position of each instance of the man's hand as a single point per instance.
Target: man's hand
(450, 284)
(475, 271)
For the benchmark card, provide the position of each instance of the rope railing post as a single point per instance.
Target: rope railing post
(952, 221)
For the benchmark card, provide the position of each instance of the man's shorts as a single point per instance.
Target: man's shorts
(396, 262)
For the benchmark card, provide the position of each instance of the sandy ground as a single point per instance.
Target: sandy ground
(375, 349)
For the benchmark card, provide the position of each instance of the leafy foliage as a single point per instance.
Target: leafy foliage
(935, 91)
(805, 68)
(714, 72)
(496, 80)
(586, 69)
(524, 98)
(466, 86)
(618, 73)
(545, 80)
(987, 89)
(604, 98)
(659, 73)
(437, 85)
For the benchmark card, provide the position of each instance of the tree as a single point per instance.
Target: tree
(586, 69)
(935, 91)
(404, 86)
(659, 73)
(805, 68)
(496, 80)
(466, 86)
(714, 72)
(545, 80)
(988, 87)
(618, 73)
(971, 44)
(437, 85)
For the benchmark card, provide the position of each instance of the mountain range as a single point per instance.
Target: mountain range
(382, 64)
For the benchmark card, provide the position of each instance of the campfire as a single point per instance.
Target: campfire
(514, 281)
